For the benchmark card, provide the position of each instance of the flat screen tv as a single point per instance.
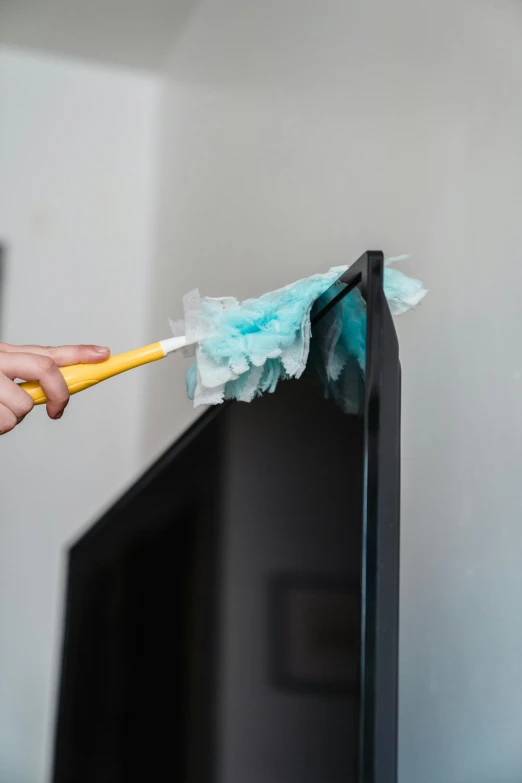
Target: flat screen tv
(233, 618)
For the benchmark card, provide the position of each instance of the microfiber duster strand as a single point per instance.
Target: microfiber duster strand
(245, 348)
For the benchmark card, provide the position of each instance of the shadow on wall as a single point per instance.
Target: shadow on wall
(128, 33)
(307, 47)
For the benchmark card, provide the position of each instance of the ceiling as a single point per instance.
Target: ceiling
(130, 33)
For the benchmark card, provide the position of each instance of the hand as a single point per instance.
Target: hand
(36, 363)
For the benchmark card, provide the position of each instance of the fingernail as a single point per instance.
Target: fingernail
(99, 349)
(58, 415)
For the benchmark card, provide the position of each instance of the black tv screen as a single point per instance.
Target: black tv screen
(233, 618)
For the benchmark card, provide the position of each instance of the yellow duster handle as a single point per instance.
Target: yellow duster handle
(80, 376)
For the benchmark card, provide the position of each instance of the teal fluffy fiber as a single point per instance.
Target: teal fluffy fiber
(245, 349)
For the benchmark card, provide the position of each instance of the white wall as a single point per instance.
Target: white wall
(77, 179)
(300, 134)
